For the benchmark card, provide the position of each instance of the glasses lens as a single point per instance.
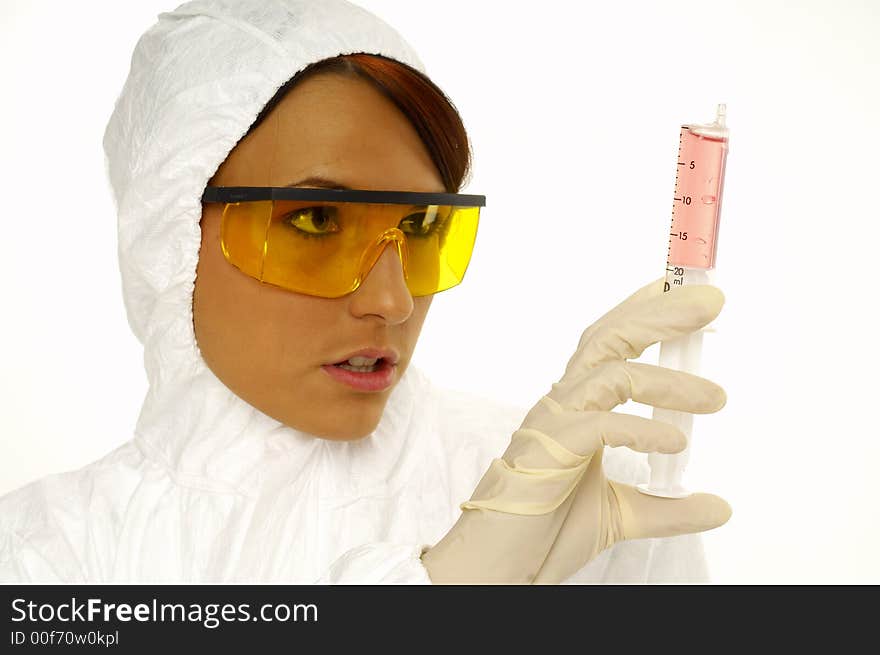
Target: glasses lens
(322, 248)
(439, 241)
(313, 248)
(243, 235)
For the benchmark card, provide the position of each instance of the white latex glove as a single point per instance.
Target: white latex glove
(545, 509)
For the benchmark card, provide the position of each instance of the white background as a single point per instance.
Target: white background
(574, 111)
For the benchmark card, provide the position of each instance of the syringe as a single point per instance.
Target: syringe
(693, 241)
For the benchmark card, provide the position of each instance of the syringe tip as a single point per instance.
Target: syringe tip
(720, 115)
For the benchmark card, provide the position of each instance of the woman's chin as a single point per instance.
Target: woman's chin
(342, 429)
(346, 434)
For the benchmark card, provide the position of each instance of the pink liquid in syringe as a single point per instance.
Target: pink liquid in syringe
(697, 203)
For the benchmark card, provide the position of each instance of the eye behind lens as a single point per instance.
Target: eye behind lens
(313, 221)
(423, 223)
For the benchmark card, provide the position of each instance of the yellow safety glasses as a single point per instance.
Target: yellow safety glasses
(324, 242)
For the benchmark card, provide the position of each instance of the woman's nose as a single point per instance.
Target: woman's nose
(383, 291)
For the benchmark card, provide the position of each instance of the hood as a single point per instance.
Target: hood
(198, 79)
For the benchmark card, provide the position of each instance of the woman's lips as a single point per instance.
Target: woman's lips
(379, 380)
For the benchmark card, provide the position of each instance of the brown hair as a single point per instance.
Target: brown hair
(431, 113)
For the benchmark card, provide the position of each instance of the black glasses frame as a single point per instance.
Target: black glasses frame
(230, 194)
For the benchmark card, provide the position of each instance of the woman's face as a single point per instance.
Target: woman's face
(269, 345)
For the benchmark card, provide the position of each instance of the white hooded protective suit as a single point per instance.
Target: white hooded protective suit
(210, 489)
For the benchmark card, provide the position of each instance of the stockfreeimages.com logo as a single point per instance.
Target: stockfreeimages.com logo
(210, 615)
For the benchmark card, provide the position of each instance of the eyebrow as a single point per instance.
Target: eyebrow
(320, 182)
(326, 183)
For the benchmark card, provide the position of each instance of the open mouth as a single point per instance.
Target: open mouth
(363, 364)
(364, 373)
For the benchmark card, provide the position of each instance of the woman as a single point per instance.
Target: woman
(285, 436)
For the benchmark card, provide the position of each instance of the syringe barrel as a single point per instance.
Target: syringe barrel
(699, 185)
